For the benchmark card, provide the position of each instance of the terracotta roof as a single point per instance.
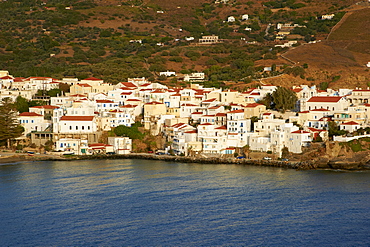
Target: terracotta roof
(316, 130)
(267, 113)
(206, 124)
(252, 105)
(77, 118)
(45, 107)
(6, 77)
(198, 112)
(159, 91)
(29, 114)
(236, 111)
(154, 103)
(209, 100)
(126, 88)
(223, 127)
(350, 123)
(300, 132)
(19, 79)
(220, 114)
(78, 95)
(104, 101)
(214, 107)
(128, 84)
(178, 125)
(329, 99)
(191, 132)
(321, 109)
(127, 106)
(83, 85)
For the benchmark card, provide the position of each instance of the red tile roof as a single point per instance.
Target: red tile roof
(236, 111)
(154, 103)
(128, 84)
(191, 132)
(252, 105)
(350, 123)
(45, 107)
(209, 100)
(104, 101)
(300, 132)
(223, 127)
(29, 114)
(316, 130)
(77, 118)
(83, 85)
(328, 99)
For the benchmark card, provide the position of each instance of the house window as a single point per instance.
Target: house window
(88, 127)
(70, 127)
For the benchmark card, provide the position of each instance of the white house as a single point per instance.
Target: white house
(71, 145)
(168, 73)
(245, 17)
(331, 103)
(75, 124)
(199, 76)
(121, 145)
(231, 19)
(32, 121)
(350, 126)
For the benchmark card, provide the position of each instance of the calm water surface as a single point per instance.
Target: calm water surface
(154, 203)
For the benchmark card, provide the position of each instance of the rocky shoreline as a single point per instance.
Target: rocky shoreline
(298, 165)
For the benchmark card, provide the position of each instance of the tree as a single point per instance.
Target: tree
(284, 99)
(8, 122)
(131, 132)
(334, 130)
(284, 152)
(268, 101)
(21, 104)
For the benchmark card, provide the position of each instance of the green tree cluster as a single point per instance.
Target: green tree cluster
(282, 99)
(132, 132)
(10, 127)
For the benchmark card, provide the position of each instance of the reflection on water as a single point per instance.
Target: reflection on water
(154, 203)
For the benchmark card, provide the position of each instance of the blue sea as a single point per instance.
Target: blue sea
(155, 203)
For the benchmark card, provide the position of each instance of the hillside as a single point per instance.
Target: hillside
(114, 40)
